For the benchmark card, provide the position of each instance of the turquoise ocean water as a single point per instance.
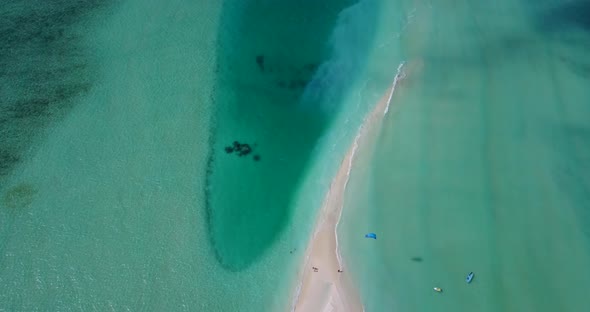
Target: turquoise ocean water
(483, 164)
(116, 188)
(121, 188)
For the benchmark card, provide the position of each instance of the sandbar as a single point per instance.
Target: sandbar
(325, 284)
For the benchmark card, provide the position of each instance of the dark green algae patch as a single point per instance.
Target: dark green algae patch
(45, 67)
(19, 196)
(268, 52)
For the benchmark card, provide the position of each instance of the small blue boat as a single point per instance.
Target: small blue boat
(469, 277)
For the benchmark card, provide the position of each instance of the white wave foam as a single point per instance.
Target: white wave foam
(400, 75)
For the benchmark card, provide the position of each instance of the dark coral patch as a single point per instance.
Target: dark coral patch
(241, 149)
(260, 62)
(245, 149)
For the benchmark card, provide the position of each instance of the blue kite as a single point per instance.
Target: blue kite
(469, 277)
(371, 235)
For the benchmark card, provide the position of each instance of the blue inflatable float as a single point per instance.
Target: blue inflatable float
(371, 235)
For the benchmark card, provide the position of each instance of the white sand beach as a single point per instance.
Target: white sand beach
(327, 289)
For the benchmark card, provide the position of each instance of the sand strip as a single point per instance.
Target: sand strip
(325, 288)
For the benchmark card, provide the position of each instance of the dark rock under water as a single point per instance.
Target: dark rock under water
(241, 149)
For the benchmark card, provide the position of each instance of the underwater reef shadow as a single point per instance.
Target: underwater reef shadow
(565, 16)
(569, 24)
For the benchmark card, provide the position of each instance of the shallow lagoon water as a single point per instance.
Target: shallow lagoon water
(481, 168)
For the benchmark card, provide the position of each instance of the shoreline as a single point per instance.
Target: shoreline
(327, 288)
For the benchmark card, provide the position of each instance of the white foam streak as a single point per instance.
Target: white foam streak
(398, 76)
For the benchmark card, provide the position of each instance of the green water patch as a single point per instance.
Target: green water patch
(268, 54)
(116, 223)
